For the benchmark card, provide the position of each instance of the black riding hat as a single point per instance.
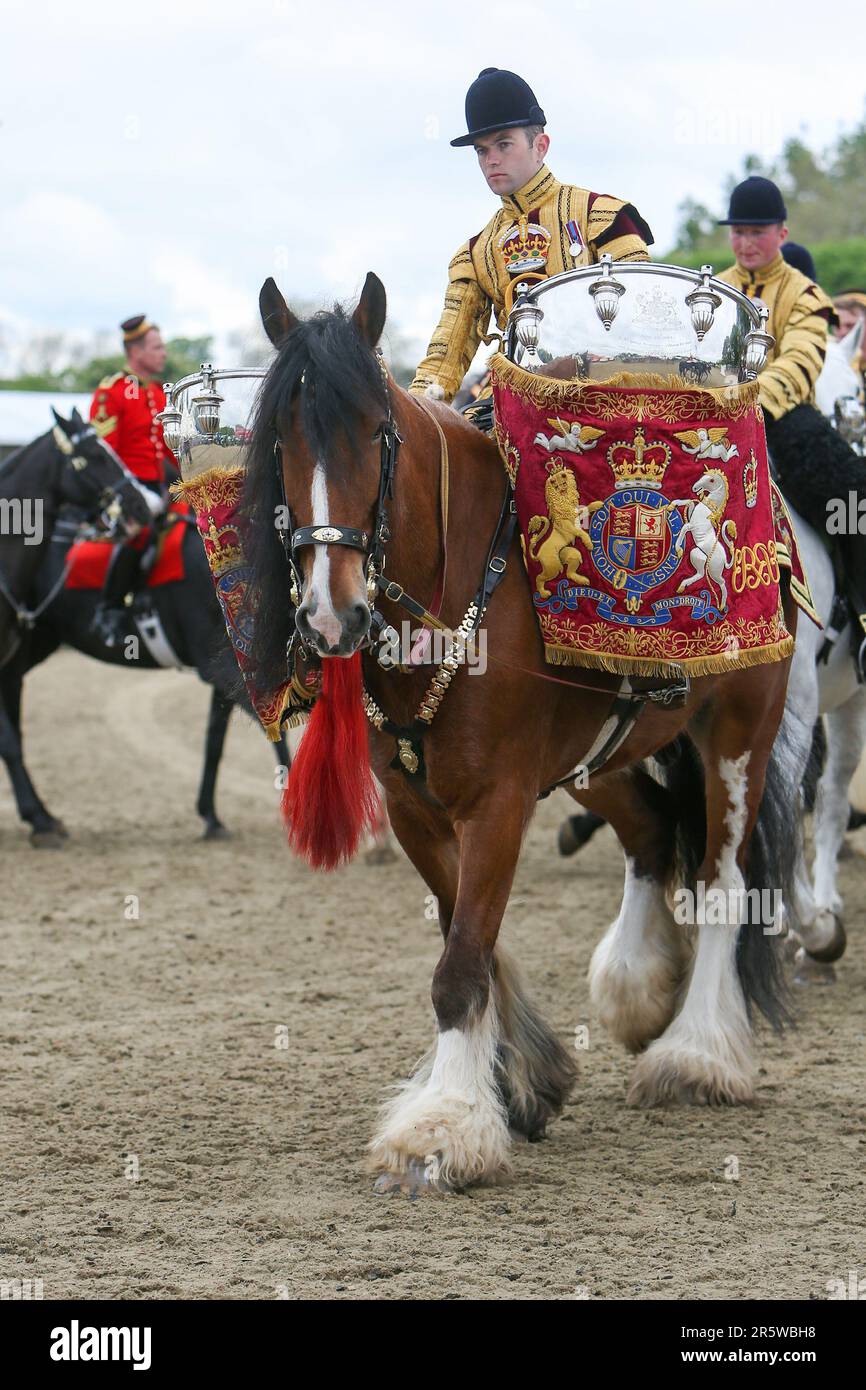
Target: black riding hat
(497, 100)
(755, 202)
(800, 257)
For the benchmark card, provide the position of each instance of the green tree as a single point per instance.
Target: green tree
(185, 355)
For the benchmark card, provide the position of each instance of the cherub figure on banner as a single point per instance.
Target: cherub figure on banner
(575, 438)
(708, 444)
(711, 534)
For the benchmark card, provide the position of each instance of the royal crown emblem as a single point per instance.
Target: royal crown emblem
(638, 464)
(223, 547)
(524, 247)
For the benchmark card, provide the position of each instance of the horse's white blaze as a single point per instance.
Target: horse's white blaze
(636, 966)
(322, 618)
(707, 1050)
(449, 1115)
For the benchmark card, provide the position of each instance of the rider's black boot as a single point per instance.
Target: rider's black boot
(853, 552)
(825, 481)
(109, 620)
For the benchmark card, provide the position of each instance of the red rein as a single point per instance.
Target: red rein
(331, 798)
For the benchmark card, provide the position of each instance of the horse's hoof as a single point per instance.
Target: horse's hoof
(663, 1076)
(813, 972)
(380, 854)
(575, 832)
(215, 830)
(48, 839)
(834, 946)
(412, 1184)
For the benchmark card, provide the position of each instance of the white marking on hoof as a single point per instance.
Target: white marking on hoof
(705, 1056)
(449, 1115)
(637, 966)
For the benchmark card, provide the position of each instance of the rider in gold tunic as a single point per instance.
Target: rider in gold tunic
(543, 227)
(816, 466)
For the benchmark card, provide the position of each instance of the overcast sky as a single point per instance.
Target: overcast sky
(167, 157)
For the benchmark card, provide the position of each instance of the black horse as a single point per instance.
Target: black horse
(187, 610)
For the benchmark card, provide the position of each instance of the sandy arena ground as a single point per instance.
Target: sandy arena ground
(150, 1044)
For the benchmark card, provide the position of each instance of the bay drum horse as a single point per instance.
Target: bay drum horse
(336, 444)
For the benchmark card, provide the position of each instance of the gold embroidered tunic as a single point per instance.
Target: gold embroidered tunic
(800, 313)
(530, 229)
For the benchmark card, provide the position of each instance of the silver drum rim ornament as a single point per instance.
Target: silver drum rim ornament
(674, 322)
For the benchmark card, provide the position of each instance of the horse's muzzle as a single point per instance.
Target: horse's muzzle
(335, 634)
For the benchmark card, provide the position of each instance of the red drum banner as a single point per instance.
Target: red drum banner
(215, 497)
(647, 521)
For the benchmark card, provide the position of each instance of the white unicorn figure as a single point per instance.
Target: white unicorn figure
(709, 555)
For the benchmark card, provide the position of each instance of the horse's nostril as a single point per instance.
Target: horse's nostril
(360, 619)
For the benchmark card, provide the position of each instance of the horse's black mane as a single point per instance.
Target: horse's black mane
(22, 456)
(328, 374)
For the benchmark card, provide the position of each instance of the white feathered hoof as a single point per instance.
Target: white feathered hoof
(667, 1075)
(825, 940)
(449, 1117)
(634, 1008)
(435, 1143)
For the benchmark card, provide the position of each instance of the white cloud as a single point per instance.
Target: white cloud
(169, 158)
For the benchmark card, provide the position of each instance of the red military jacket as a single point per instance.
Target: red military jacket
(124, 411)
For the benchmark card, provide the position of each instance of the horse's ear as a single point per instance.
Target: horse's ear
(277, 318)
(851, 342)
(77, 419)
(65, 425)
(369, 317)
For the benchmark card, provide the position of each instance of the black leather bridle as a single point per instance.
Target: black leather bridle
(371, 544)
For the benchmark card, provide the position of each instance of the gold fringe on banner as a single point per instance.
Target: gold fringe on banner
(695, 665)
(212, 488)
(650, 396)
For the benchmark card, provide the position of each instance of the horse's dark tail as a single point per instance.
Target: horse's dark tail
(770, 865)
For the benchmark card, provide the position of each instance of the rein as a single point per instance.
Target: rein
(105, 499)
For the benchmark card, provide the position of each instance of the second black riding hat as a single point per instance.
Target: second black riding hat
(497, 100)
(755, 202)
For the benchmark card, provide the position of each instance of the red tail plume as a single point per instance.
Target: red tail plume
(331, 798)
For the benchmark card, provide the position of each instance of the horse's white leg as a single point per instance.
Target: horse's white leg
(637, 966)
(447, 1125)
(846, 734)
(705, 1055)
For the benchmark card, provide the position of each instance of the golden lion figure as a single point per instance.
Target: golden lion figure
(552, 537)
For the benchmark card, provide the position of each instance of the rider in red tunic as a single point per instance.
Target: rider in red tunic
(124, 410)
